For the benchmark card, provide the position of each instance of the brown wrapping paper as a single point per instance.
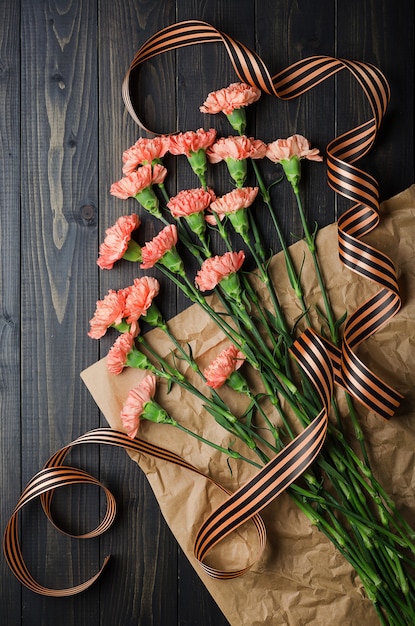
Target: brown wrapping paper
(300, 578)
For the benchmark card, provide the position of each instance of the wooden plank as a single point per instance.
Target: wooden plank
(10, 430)
(389, 44)
(200, 70)
(287, 33)
(70, 153)
(59, 200)
(142, 585)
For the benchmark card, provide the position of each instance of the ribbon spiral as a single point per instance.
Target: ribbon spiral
(239, 508)
(324, 363)
(343, 176)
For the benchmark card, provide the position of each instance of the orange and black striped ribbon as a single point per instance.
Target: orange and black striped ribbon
(323, 362)
(343, 176)
(239, 508)
(286, 466)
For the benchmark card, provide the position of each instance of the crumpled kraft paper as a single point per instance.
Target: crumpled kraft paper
(300, 578)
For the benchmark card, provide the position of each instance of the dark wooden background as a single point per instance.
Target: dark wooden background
(62, 132)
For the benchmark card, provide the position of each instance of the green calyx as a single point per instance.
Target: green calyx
(237, 120)
(133, 252)
(237, 382)
(148, 199)
(154, 317)
(138, 360)
(231, 286)
(122, 327)
(198, 163)
(238, 170)
(292, 170)
(173, 262)
(153, 412)
(197, 223)
(239, 221)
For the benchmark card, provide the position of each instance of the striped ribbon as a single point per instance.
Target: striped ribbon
(239, 508)
(343, 176)
(323, 362)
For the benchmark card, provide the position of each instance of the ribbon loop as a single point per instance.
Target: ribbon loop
(45, 482)
(343, 177)
(323, 362)
(239, 508)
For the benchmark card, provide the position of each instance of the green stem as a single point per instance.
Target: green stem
(272, 428)
(353, 504)
(222, 232)
(164, 193)
(311, 244)
(266, 280)
(292, 273)
(228, 451)
(262, 316)
(173, 375)
(310, 240)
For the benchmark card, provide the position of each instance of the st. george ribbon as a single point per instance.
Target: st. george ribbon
(343, 176)
(324, 363)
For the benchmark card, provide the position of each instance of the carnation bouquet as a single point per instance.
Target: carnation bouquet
(283, 385)
(279, 366)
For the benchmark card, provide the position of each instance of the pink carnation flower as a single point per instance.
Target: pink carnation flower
(109, 311)
(129, 186)
(155, 249)
(233, 97)
(237, 148)
(216, 268)
(295, 146)
(240, 198)
(117, 355)
(144, 152)
(116, 240)
(134, 405)
(139, 298)
(227, 362)
(190, 201)
(191, 141)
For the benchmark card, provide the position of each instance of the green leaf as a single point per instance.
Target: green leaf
(246, 300)
(249, 414)
(340, 321)
(220, 419)
(276, 182)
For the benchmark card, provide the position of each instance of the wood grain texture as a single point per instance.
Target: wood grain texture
(10, 430)
(296, 31)
(390, 34)
(59, 191)
(63, 129)
(145, 552)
